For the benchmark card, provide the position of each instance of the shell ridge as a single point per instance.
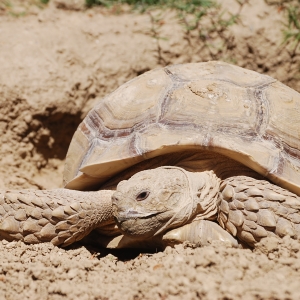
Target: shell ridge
(263, 111)
(242, 85)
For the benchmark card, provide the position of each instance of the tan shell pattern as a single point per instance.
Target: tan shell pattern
(213, 106)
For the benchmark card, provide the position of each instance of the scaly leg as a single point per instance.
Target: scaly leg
(251, 209)
(58, 216)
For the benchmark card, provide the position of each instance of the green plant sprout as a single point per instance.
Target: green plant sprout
(292, 33)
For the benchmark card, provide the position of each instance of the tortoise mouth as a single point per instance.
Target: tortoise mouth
(134, 215)
(140, 225)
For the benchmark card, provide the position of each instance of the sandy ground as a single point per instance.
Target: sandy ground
(56, 63)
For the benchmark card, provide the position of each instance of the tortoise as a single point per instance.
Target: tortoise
(193, 152)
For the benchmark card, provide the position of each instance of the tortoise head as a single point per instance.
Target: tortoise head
(153, 201)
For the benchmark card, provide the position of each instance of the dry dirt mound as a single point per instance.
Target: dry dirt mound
(55, 64)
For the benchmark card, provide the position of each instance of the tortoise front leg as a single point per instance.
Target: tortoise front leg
(199, 232)
(59, 216)
(252, 209)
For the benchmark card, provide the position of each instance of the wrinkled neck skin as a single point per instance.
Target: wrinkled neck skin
(201, 199)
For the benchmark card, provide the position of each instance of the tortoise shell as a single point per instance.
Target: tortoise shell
(214, 106)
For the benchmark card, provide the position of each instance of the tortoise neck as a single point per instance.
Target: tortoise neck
(205, 188)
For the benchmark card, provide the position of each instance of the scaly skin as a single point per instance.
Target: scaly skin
(176, 210)
(247, 208)
(251, 209)
(64, 216)
(59, 216)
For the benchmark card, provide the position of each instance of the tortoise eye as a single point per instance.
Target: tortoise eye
(142, 195)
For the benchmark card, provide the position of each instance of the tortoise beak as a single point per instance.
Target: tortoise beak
(123, 215)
